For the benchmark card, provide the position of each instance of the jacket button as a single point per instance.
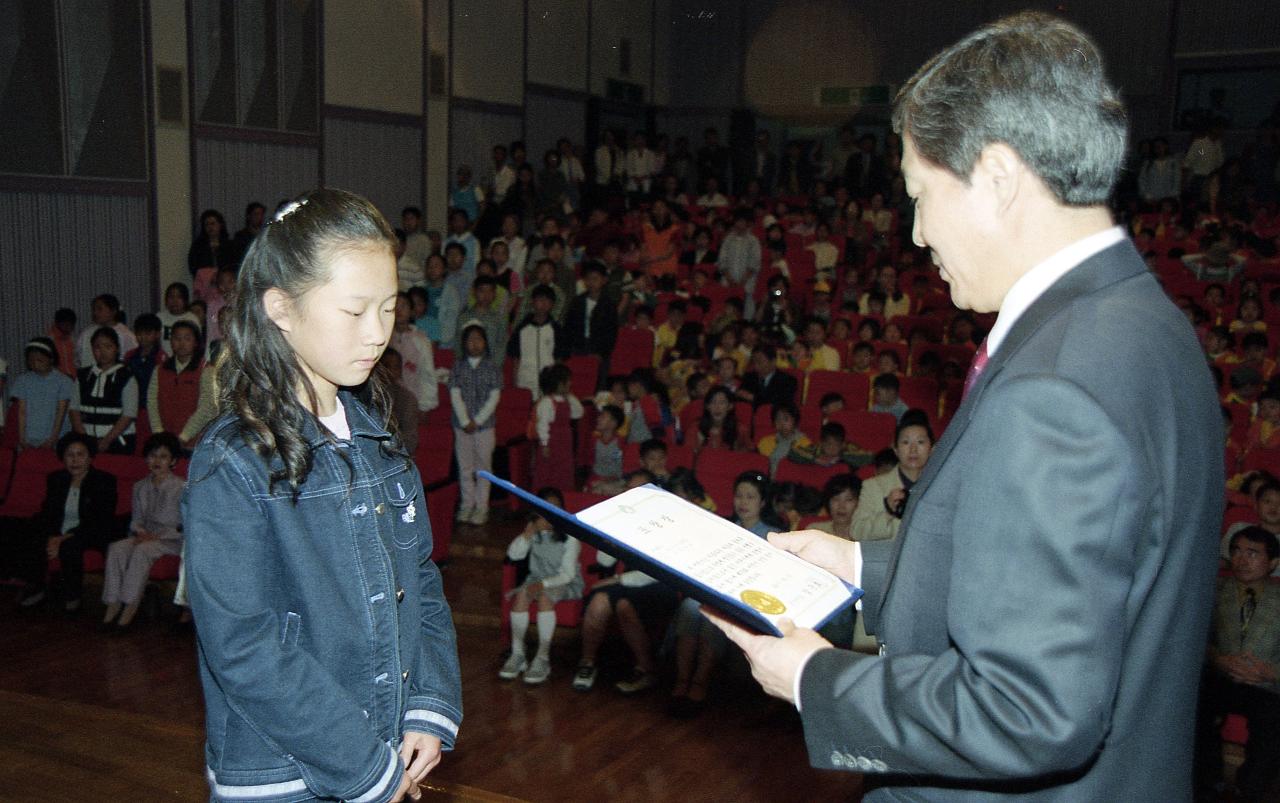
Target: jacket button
(380, 509)
(404, 676)
(400, 595)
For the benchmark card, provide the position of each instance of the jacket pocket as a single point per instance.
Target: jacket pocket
(405, 506)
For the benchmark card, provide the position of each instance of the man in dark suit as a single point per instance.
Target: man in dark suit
(1042, 614)
(764, 383)
(865, 173)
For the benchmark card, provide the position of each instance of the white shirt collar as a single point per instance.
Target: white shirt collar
(1040, 278)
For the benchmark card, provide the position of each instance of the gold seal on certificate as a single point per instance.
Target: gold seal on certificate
(765, 603)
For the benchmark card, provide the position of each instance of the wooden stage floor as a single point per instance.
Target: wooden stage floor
(119, 718)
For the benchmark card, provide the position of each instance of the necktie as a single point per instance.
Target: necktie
(975, 369)
(1247, 607)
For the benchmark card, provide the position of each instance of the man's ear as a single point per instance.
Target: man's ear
(1004, 172)
(279, 308)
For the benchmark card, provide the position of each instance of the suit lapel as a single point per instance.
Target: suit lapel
(1117, 263)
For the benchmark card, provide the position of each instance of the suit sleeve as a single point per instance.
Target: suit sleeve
(1043, 558)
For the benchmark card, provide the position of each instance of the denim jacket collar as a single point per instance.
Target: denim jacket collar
(361, 422)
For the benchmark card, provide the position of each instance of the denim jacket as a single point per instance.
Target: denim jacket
(323, 629)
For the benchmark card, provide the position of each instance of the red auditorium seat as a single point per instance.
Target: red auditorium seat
(855, 388)
(128, 469)
(634, 349)
(871, 431)
(1236, 514)
(920, 391)
(26, 489)
(586, 375)
(1264, 459)
(511, 422)
(718, 468)
(7, 458)
(434, 456)
(9, 437)
(813, 476)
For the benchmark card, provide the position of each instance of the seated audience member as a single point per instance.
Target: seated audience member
(177, 307)
(142, 361)
(606, 466)
(831, 449)
(1219, 346)
(820, 307)
(1249, 317)
(417, 356)
(727, 346)
(1266, 503)
(174, 393)
(786, 436)
(1243, 665)
(719, 427)
(653, 459)
(554, 576)
(664, 337)
(1256, 346)
(106, 401)
(684, 484)
(222, 297)
(825, 254)
(429, 299)
(104, 312)
(43, 394)
(155, 530)
(830, 404)
(889, 362)
(537, 341)
(821, 356)
(701, 252)
(792, 501)
(861, 361)
(1264, 432)
(764, 383)
(699, 643)
(727, 374)
(711, 197)
(404, 405)
(884, 395)
(868, 330)
(884, 496)
(78, 513)
(636, 600)
(840, 498)
(886, 460)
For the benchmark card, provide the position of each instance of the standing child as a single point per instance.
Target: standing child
(417, 357)
(154, 531)
(606, 468)
(553, 416)
(106, 402)
(144, 359)
(554, 576)
(474, 389)
(174, 392)
(299, 480)
(177, 307)
(104, 312)
(62, 332)
(43, 395)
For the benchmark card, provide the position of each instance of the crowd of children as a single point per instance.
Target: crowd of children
(802, 332)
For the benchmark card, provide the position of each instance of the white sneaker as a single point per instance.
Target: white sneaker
(584, 678)
(539, 671)
(479, 516)
(513, 667)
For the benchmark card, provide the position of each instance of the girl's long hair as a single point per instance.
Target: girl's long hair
(259, 376)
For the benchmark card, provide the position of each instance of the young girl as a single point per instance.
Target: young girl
(646, 396)
(107, 399)
(177, 307)
(154, 531)
(553, 415)
(419, 360)
(474, 388)
(719, 427)
(606, 468)
(43, 394)
(104, 312)
(554, 576)
(174, 392)
(328, 657)
(699, 643)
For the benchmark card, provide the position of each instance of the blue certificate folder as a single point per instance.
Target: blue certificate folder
(731, 606)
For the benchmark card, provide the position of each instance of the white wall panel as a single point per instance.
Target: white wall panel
(380, 161)
(231, 173)
(488, 50)
(557, 43)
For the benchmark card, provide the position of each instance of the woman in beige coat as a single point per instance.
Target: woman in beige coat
(884, 497)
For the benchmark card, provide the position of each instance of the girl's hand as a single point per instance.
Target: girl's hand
(103, 443)
(546, 450)
(144, 537)
(529, 531)
(470, 427)
(533, 589)
(54, 544)
(421, 754)
(611, 581)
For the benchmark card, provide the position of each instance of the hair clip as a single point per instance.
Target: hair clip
(288, 209)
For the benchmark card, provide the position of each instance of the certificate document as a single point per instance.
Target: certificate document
(703, 555)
